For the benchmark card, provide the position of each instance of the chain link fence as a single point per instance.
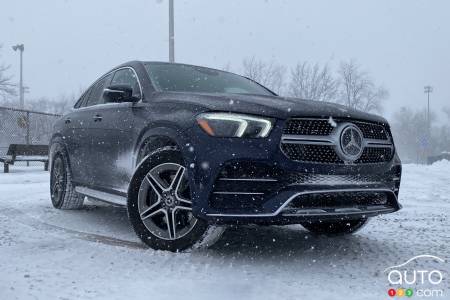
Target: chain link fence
(18, 126)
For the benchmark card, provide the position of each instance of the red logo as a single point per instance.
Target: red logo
(391, 292)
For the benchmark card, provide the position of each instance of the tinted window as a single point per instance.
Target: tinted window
(80, 101)
(96, 94)
(83, 99)
(185, 78)
(127, 77)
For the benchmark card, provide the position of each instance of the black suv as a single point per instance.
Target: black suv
(188, 149)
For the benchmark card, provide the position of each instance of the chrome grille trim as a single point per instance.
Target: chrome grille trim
(337, 212)
(238, 193)
(307, 139)
(249, 179)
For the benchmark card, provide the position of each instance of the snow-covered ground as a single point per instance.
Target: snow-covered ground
(93, 253)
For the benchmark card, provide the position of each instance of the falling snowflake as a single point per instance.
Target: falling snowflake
(332, 122)
(205, 165)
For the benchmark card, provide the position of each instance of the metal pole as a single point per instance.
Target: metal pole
(22, 102)
(171, 33)
(27, 139)
(428, 90)
(20, 47)
(429, 129)
(28, 132)
(428, 114)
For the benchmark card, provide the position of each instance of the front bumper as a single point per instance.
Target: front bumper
(251, 181)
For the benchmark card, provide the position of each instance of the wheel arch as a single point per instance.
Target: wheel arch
(152, 140)
(152, 143)
(57, 144)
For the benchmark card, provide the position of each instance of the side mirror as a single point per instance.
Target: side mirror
(118, 93)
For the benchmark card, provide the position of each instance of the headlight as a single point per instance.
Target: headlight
(234, 125)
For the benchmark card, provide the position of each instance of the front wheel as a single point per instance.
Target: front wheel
(335, 228)
(160, 203)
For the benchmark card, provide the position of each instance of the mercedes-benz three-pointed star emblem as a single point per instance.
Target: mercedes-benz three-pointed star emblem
(351, 142)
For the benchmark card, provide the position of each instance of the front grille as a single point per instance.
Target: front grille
(372, 131)
(375, 155)
(327, 155)
(327, 179)
(340, 199)
(323, 127)
(308, 127)
(311, 146)
(311, 153)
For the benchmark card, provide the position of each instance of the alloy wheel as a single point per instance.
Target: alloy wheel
(164, 202)
(58, 180)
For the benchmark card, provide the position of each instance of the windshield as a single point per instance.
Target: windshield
(186, 78)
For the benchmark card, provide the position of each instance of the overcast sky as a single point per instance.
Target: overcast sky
(68, 44)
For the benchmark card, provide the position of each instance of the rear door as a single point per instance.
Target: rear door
(76, 137)
(112, 137)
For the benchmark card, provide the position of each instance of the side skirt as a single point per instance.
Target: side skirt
(113, 199)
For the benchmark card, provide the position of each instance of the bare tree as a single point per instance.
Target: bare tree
(406, 139)
(7, 88)
(269, 74)
(313, 82)
(59, 105)
(358, 89)
(227, 67)
(447, 112)
(409, 128)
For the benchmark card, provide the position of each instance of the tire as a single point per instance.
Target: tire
(335, 228)
(160, 205)
(62, 191)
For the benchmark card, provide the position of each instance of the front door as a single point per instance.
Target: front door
(91, 160)
(112, 137)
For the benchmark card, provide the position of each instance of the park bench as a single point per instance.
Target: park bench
(28, 153)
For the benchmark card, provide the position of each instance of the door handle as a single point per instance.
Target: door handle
(98, 118)
(67, 120)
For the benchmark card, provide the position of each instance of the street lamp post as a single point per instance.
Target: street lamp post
(428, 89)
(171, 33)
(20, 47)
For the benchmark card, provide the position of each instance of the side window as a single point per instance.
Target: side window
(127, 77)
(80, 101)
(83, 99)
(96, 91)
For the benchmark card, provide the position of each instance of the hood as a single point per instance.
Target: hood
(269, 106)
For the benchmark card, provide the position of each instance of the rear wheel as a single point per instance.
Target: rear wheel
(335, 228)
(62, 191)
(160, 204)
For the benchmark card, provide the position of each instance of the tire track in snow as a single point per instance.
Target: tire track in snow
(23, 218)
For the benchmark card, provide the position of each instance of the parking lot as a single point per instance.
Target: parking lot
(93, 253)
